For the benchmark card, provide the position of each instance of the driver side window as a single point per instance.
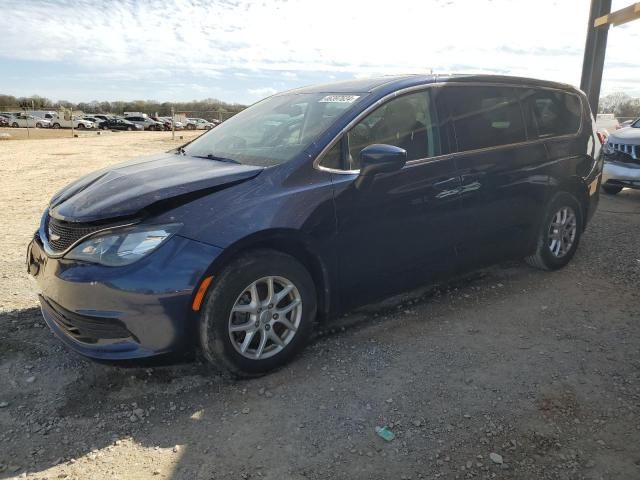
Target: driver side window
(408, 122)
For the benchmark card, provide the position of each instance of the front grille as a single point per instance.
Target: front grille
(632, 150)
(83, 328)
(61, 235)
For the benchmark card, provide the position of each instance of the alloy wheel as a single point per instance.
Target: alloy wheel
(265, 317)
(562, 231)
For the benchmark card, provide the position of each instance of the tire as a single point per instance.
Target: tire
(550, 255)
(221, 347)
(611, 189)
(130, 128)
(81, 126)
(38, 125)
(56, 125)
(15, 125)
(191, 126)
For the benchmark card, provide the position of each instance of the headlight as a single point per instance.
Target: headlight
(115, 248)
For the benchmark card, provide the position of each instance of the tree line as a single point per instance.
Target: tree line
(119, 107)
(620, 104)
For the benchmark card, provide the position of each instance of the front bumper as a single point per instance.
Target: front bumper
(122, 313)
(625, 174)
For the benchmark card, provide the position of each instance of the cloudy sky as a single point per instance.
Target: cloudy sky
(238, 50)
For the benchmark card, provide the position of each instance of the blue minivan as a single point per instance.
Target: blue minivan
(309, 203)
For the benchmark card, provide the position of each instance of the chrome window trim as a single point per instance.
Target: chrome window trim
(415, 88)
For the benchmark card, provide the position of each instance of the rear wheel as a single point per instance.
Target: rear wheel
(15, 125)
(56, 125)
(559, 233)
(191, 126)
(258, 314)
(81, 126)
(612, 189)
(38, 125)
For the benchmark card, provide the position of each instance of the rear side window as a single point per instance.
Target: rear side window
(484, 117)
(551, 113)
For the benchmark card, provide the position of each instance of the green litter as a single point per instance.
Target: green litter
(385, 433)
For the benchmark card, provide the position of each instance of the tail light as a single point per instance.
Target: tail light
(601, 137)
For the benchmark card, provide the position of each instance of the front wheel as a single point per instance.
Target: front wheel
(15, 125)
(612, 189)
(258, 314)
(559, 233)
(56, 125)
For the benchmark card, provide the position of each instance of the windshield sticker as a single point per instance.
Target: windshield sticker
(339, 99)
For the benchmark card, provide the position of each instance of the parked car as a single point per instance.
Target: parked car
(96, 121)
(199, 124)
(168, 122)
(147, 123)
(26, 120)
(120, 124)
(78, 123)
(622, 160)
(237, 242)
(4, 121)
(102, 116)
(628, 123)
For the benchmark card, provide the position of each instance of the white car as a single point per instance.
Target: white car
(97, 121)
(79, 123)
(146, 122)
(199, 124)
(30, 121)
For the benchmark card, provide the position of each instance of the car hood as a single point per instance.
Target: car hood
(125, 189)
(629, 135)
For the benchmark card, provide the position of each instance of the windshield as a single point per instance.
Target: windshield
(274, 130)
(636, 124)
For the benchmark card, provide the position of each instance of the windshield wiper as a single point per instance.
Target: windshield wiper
(221, 159)
(209, 156)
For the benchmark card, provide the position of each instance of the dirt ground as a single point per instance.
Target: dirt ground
(507, 373)
(48, 133)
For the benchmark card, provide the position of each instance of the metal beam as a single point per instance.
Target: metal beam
(594, 50)
(619, 17)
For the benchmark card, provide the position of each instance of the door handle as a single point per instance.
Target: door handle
(448, 187)
(447, 184)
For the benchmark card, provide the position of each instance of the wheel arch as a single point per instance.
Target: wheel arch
(289, 242)
(576, 186)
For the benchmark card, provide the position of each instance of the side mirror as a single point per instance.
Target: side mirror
(379, 158)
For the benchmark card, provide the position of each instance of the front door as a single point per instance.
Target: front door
(395, 232)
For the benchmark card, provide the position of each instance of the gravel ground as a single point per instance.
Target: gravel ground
(506, 373)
